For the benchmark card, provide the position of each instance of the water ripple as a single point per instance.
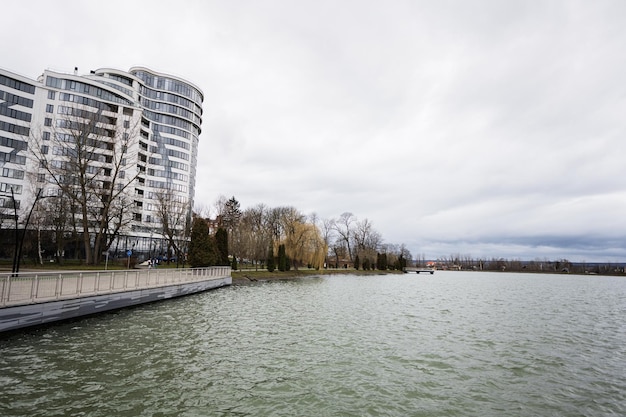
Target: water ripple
(454, 344)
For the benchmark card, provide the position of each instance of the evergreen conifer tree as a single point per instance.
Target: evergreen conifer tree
(381, 261)
(357, 262)
(234, 265)
(271, 263)
(200, 247)
(282, 258)
(401, 263)
(221, 239)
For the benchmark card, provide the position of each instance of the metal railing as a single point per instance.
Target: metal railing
(40, 287)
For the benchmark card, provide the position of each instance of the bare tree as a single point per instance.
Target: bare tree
(406, 254)
(255, 233)
(339, 251)
(366, 240)
(87, 158)
(344, 227)
(174, 216)
(55, 215)
(220, 206)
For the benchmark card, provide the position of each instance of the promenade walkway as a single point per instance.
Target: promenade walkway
(45, 286)
(34, 298)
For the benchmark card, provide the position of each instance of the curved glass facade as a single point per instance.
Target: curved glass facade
(174, 110)
(171, 120)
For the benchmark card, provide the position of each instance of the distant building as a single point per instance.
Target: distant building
(150, 122)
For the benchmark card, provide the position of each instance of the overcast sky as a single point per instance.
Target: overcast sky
(480, 128)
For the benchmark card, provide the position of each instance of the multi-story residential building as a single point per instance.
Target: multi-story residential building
(116, 148)
(17, 108)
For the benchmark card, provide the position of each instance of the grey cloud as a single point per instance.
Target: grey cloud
(486, 127)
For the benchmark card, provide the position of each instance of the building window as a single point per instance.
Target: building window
(46, 135)
(49, 108)
(44, 149)
(138, 217)
(126, 124)
(4, 187)
(51, 95)
(41, 177)
(48, 121)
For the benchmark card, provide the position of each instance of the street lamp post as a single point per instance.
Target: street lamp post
(150, 248)
(19, 242)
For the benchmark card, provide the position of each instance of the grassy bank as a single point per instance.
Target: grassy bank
(247, 276)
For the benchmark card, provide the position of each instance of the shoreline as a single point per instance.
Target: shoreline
(252, 276)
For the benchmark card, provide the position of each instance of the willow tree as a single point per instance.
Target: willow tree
(305, 245)
(86, 156)
(303, 242)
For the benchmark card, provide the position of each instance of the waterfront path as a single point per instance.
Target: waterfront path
(45, 286)
(41, 297)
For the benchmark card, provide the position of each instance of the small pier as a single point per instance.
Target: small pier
(418, 270)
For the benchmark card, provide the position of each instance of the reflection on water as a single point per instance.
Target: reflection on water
(455, 343)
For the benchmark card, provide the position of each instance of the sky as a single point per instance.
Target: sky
(480, 128)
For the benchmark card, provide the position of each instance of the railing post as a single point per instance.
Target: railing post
(32, 288)
(79, 284)
(58, 286)
(6, 290)
(37, 287)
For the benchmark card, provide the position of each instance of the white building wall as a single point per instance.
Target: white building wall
(18, 107)
(166, 110)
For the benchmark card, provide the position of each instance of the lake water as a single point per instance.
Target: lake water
(448, 344)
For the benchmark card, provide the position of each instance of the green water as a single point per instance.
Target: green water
(450, 344)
